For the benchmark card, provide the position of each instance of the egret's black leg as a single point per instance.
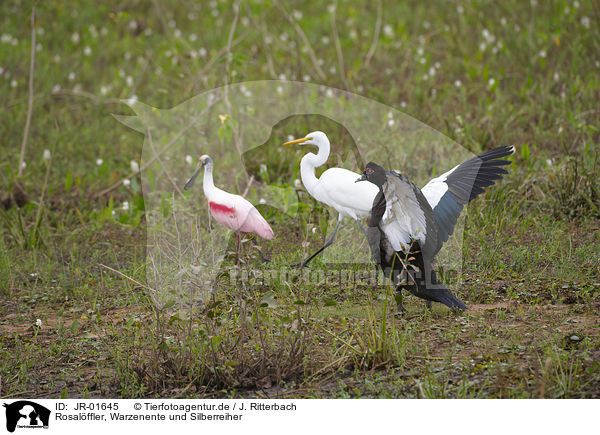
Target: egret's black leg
(363, 230)
(327, 244)
(260, 254)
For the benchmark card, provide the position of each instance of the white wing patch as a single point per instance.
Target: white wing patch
(436, 188)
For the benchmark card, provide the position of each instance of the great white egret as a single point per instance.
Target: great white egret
(408, 225)
(335, 187)
(230, 210)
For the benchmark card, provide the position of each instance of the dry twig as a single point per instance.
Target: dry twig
(30, 100)
(371, 51)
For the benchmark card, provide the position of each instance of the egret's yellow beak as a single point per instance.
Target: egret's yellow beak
(297, 141)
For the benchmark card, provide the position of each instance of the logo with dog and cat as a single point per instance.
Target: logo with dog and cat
(25, 414)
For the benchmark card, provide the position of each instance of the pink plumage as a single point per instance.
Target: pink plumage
(238, 214)
(232, 211)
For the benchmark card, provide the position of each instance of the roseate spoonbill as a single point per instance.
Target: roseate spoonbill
(232, 211)
(335, 187)
(408, 225)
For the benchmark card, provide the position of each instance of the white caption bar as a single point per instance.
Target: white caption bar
(74, 416)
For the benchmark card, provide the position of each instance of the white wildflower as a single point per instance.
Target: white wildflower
(391, 122)
(555, 76)
(126, 182)
(38, 323)
(125, 205)
(135, 167)
(491, 82)
(297, 15)
(329, 93)
(262, 201)
(99, 161)
(129, 81)
(71, 76)
(13, 83)
(388, 31)
(47, 154)
(202, 52)
(75, 38)
(87, 50)
(297, 183)
(103, 90)
(458, 83)
(56, 89)
(189, 160)
(585, 22)
(193, 37)
(543, 53)
(460, 9)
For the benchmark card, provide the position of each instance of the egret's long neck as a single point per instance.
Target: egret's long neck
(207, 182)
(311, 161)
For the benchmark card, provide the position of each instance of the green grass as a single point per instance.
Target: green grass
(482, 74)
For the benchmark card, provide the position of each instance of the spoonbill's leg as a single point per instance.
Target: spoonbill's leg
(238, 238)
(327, 244)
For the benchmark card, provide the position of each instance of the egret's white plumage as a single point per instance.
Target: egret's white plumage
(336, 187)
